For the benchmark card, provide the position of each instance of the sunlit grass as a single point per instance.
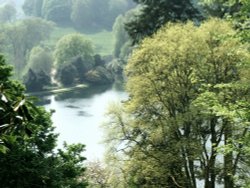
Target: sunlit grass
(102, 41)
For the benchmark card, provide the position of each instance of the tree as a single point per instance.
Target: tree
(57, 11)
(156, 13)
(7, 13)
(187, 109)
(40, 60)
(97, 175)
(72, 46)
(33, 7)
(67, 74)
(82, 15)
(20, 37)
(36, 80)
(96, 15)
(221, 8)
(27, 143)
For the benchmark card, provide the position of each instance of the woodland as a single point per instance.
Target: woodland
(186, 68)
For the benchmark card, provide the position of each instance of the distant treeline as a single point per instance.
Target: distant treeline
(84, 15)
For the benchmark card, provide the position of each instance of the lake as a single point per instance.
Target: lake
(79, 114)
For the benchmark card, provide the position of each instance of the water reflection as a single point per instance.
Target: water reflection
(79, 114)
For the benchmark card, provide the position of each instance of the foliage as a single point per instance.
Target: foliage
(57, 11)
(27, 143)
(36, 80)
(221, 8)
(40, 59)
(97, 175)
(96, 15)
(33, 7)
(67, 74)
(7, 13)
(20, 37)
(233, 10)
(156, 13)
(71, 46)
(188, 108)
(99, 75)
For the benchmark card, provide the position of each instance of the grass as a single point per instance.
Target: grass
(103, 42)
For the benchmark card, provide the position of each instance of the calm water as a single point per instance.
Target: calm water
(79, 114)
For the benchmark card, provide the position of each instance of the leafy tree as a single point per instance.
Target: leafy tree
(188, 108)
(33, 7)
(27, 143)
(121, 36)
(221, 8)
(67, 74)
(40, 60)
(82, 15)
(96, 15)
(156, 13)
(7, 13)
(36, 80)
(57, 11)
(72, 46)
(20, 37)
(97, 175)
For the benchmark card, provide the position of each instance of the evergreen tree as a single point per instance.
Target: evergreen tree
(155, 13)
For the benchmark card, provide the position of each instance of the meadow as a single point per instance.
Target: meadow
(103, 41)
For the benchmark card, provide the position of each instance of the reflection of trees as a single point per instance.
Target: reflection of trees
(83, 93)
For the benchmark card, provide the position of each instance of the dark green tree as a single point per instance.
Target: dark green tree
(57, 11)
(67, 74)
(27, 143)
(155, 13)
(36, 80)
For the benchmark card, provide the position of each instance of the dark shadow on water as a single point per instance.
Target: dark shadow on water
(79, 94)
(84, 114)
(72, 106)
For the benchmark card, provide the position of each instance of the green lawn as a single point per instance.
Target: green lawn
(103, 41)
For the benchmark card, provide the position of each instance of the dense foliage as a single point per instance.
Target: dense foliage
(156, 13)
(84, 15)
(20, 37)
(185, 123)
(27, 143)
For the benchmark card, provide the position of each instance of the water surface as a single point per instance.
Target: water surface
(79, 114)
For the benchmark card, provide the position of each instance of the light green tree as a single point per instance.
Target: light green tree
(186, 109)
(72, 46)
(20, 37)
(39, 60)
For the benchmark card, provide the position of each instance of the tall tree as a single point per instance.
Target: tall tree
(20, 37)
(156, 13)
(187, 109)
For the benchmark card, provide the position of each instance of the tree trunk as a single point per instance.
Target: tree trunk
(210, 173)
(228, 158)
